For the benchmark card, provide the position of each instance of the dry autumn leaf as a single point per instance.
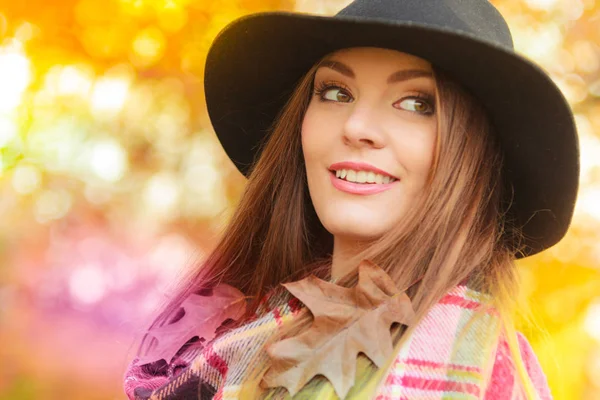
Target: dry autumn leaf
(346, 321)
(203, 315)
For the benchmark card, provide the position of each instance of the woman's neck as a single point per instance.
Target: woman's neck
(343, 251)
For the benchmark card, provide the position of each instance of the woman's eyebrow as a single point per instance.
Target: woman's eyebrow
(398, 76)
(406, 74)
(339, 67)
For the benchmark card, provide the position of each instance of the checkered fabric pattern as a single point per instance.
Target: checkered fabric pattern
(449, 355)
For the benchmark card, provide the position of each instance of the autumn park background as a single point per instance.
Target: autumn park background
(112, 181)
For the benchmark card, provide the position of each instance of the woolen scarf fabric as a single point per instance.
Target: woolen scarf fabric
(449, 355)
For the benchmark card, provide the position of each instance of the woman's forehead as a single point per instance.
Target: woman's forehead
(377, 55)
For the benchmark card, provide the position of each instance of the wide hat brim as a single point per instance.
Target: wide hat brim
(254, 64)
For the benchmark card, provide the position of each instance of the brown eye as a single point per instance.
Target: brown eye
(417, 105)
(336, 94)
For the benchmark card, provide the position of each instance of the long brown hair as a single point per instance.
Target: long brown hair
(457, 231)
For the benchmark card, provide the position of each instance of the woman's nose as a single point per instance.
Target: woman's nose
(362, 128)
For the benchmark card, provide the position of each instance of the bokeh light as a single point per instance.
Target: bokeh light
(26, 179)
(108, 160)
(15, 76)
(87, 284)
(109, 95)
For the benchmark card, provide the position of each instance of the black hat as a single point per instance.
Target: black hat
(254, 64)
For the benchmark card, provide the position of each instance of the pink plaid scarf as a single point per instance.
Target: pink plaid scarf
(450, 354)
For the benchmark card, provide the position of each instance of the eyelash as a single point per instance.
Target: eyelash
(323, 86)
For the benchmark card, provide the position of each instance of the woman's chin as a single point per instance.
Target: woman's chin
(359, 230)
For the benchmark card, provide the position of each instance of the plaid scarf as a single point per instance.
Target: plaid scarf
(449, 355)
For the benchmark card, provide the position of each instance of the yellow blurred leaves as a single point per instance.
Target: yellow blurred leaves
(106, 42)
(564, 359)
(585, 54)
(3, 25)
(92, 12)
(172, 19)
(148, 47)
(146, 31)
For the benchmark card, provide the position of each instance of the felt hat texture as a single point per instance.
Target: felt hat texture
(256, 61)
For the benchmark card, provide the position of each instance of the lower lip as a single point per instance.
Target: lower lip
(360, 188)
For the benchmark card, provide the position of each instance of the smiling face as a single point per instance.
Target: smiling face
(368, 139)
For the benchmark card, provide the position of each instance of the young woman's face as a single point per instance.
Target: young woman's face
(368, 139)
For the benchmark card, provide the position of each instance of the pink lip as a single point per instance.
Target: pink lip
(359, 188)
(359, 166)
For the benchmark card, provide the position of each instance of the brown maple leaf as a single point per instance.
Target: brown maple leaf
(346, 321)
(203, 315)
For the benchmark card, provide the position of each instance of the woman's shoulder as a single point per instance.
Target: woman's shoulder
(503, 381)
(456, 348)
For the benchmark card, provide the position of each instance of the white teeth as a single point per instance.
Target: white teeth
(362, 176)
(371, 177)
(351, 176)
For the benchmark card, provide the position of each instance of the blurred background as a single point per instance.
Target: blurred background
(111, 181)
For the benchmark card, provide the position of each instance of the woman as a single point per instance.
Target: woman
(402, 145)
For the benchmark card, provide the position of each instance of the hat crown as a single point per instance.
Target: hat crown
(474, 17)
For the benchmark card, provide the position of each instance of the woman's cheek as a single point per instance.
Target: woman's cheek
(414, 147)
(315, 138)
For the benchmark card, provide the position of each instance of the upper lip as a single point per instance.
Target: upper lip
(359, 166)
